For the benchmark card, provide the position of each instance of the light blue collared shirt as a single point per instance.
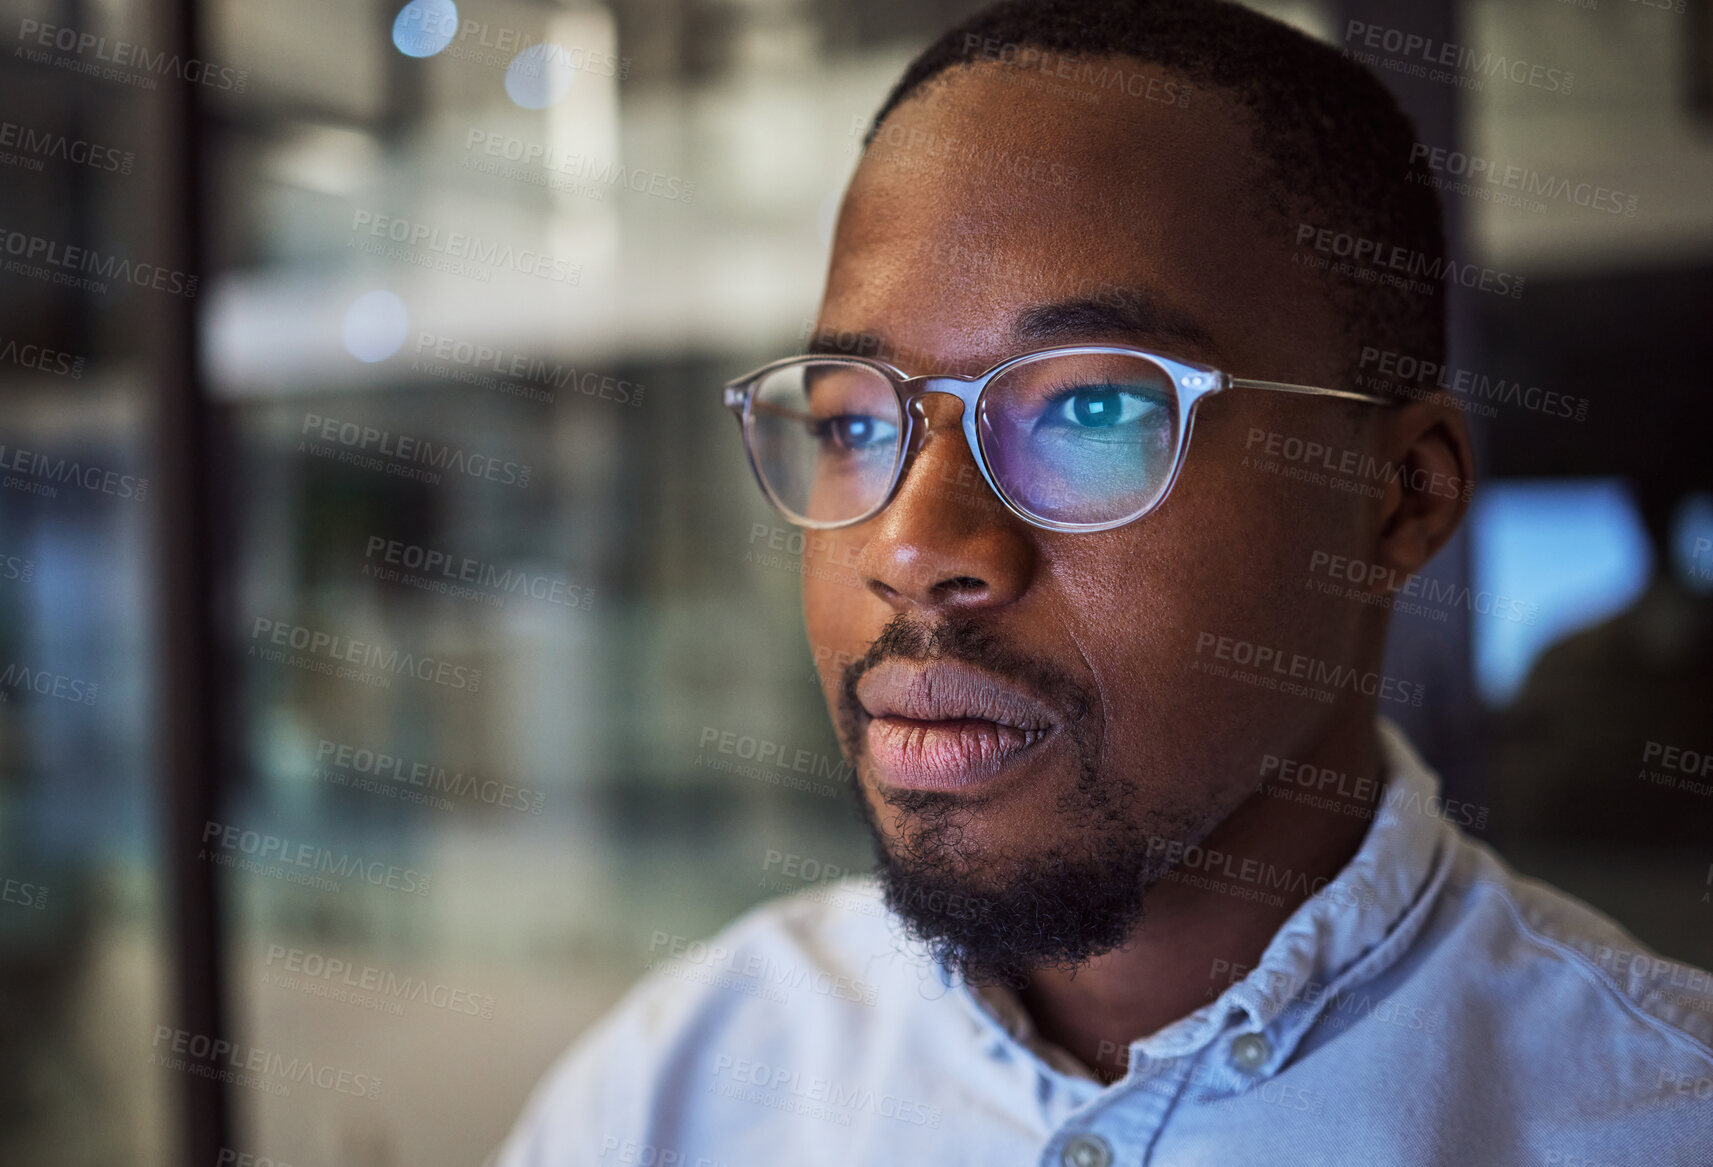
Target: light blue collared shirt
(1428, 1006)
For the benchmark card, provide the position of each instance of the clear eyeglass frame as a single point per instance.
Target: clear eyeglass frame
(1192, 383)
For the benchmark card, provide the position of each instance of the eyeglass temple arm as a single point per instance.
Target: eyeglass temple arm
(1309, 390)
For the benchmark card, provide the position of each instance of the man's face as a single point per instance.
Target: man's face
(1027, 710)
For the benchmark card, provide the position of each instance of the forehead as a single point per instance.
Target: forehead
(988, 194)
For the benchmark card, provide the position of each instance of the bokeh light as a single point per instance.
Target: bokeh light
(376, 324)
(425, 27)
(540, 76)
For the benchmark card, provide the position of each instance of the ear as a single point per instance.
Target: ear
(1431, 476)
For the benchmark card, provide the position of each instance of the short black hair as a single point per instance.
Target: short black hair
(1334, 150)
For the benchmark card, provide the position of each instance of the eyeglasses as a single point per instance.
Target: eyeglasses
(1077, 438)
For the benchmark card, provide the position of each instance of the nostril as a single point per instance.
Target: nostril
(961, 583)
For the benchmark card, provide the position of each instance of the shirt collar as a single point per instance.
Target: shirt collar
(1356, 924)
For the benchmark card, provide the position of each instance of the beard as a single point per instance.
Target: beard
(996, 918)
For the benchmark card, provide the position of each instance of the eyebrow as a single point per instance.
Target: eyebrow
(845, 342)
(1127, 313)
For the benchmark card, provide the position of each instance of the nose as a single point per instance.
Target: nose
(946, 541)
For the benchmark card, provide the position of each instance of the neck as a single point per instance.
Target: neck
(1194, 941)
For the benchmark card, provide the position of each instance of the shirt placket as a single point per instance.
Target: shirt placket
(1119, 1126)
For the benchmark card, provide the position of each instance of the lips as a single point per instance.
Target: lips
(947, 726)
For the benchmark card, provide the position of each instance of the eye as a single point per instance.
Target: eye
(1098, 407)
(854, 432)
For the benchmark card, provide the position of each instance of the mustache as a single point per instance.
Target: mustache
(969, 640)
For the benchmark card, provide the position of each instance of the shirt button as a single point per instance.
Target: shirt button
(1087, 1151)
(1250, 1051)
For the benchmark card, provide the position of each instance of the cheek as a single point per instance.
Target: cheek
(1244, 531)
(1150, 610)
(836, 607)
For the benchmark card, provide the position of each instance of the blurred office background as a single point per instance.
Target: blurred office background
(628, 603)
